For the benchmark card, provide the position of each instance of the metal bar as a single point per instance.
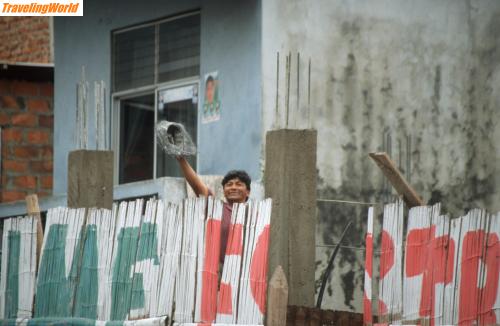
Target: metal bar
(329, 268)
(126, 29)
(133, 92)
(298, 83)
(309, 95)
(288, 65)
(277, 88)
(345, 201)
(345, 247)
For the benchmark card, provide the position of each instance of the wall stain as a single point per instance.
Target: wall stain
(453, 150)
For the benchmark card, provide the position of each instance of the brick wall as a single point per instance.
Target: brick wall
(25, 39)
(26, 118)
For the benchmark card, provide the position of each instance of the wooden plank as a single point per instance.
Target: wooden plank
(27, 266)
(391, 255)
(186, 278)
(7, 226)
(367, 286)
(228, 293)
(169, 258)
(388, 167)
(146, 264)
(418, 239)
(123, 258)
(253, 287)
(34, 210)
(277, 298)
(108, 231)
(495, 229)
(451, 289)
(442, 271)
(245, 299)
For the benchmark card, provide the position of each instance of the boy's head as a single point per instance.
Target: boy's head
(236, 185)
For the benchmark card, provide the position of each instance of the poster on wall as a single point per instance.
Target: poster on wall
(211, 105)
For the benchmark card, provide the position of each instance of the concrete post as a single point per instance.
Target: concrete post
(90, 179)
(290, 180)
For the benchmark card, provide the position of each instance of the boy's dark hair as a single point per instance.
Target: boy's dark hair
(209, 79)
(237, 174)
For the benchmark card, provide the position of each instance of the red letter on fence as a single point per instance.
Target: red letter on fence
(431, 260)
(210, 271)
(473, 295)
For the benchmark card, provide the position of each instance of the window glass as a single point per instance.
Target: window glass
(136, 138)
(134, 58)
(177, 105)
(147, 57)
(179, 48)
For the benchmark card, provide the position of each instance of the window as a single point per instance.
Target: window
(156, 70)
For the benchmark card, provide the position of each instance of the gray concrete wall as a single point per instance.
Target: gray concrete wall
(418, 79)
(290, 180)
(230, 43)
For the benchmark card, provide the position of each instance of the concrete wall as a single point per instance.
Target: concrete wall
(418, 79)
(232, 142)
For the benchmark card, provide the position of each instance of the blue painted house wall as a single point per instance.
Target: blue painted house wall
(230, 44)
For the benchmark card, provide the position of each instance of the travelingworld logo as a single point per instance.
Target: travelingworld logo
(41, 8)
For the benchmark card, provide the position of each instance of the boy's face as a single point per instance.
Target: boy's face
(236, 191)
(209, 91)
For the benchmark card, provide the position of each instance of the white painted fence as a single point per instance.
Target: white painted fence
(451, 268)
(135, 262)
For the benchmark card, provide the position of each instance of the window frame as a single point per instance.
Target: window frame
(156, 24)
(118, 96)
(116, 115)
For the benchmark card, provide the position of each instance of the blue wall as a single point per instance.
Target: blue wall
(230, 44)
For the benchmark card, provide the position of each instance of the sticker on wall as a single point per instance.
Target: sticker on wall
(211, 105)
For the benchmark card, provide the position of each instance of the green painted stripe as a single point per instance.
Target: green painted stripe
(53, 291)
(121, 288)
(87, 289)
(12, 290)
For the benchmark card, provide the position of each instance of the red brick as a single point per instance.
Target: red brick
(42, 166)
(47, 90)
(25, 88)
(11, 135)
(46, 182)
(5, 86)
(25, 182)
(47, 152)
(25, 120)
(29, 152)
(38, 106)
(43, 194)
(9, 102)
(38, 137)
(6, 151)
(46, 121)
(4, 118)
(8, 196)
(14, 166)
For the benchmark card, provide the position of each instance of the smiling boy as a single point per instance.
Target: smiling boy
(236, 187)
